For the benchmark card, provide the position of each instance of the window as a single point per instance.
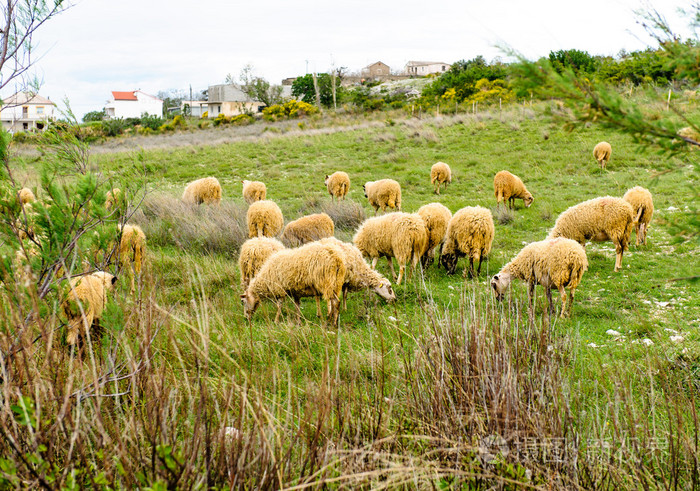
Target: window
(25, 112)
(40, 109)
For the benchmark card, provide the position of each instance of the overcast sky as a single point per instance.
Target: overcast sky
(98, 46)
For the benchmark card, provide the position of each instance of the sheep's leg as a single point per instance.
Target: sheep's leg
(531, 301)
(374, 262)
(345, 298)
(478, 271)
(618, 259)
(333, 312)
(297, 305)
(402, 268)
(279, 311)
(470, 270)
(564, 307)
(644, 233)
(571, 302)
(318, 306)
(550, 302)
(391, 267)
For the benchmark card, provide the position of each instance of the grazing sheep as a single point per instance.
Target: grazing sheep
(553, 263)
(385, 193)
(469, 233)
(254, 191)
(308, 229)
(264, 219)
(113, 197)
(507, 187)
(436, 217)
(597, 219)
(85, 302)
(26, 196)
(358, 274)
(338, 184)
(311, 270)
(602, 153)
(206, 190)
(642, 209)
(254, 253)
(399, 235)
(132, 250)
(440, 173)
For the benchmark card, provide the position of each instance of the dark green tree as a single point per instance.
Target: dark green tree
(94, 116)
(578, 61)
(463, 76)
(303, 88)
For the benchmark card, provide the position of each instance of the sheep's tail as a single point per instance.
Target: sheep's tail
(259, 226)
(640, 213)
(499, 195)
(138, 256)
(344, 189)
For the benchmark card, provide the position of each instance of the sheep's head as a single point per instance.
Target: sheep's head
(528, 199)
(426, 260)
(364, 189)
(449, 261)
(385, 291)
(325, 181)
(107, 279)
(500, 283)
(250, 304)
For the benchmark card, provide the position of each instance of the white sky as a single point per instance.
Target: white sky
(102, 45)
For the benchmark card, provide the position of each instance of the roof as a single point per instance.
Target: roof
(421, 63)
(376, 63)
(124, 96)
(26, 98)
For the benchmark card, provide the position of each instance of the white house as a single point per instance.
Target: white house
(230, 100)
(194, 108)
(25, 111)
(423, 68)
(133, 105)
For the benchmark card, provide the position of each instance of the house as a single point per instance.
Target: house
(230, 100)
(194, 108)
(376, 70)
(423, 68)
(133, 105)
(25, 111)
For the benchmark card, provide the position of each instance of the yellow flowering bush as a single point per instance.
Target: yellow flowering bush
(491, 90)
(290, 109)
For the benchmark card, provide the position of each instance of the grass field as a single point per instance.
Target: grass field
(444, 387)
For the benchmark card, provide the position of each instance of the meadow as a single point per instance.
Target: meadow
(443, 388)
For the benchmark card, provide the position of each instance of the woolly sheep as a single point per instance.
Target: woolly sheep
(358, 274)
(254, 253)
(132, 249)
(602, 153)
(597, 219)
(26, 196)
(553, 263)
(642, 209)
(311, 270)
(385, 193)
(399, 235)
(308, 229)
(338, 184)
(440, 173)
(85, 302)
(436, 217)
(113, 197)
(206, 190)
(507, 187)
(254, 191)
(264, 219)
(469, 233)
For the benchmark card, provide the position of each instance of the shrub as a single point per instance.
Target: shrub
(179, 122)
(113, 127)
(151, 122)
(290, 109)
(242, 120)
(205, 114)
(221, 119)
(94, 116)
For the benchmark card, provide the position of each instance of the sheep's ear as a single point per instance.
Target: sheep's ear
(114, 279)
(495, 278)
(243, 297)
(327, 176)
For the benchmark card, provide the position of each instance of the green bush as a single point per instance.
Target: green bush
(221, 119)
(113, 127)
(151, 122)
(289, 110)
(462, 77)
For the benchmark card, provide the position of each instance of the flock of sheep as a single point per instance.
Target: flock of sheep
(314, 263)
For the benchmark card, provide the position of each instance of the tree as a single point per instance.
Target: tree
(94, 116)
(463, 76)
(21, 19)
(578, 61)
(303, 88)
(257, 88)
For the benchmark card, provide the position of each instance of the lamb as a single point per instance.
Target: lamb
(311, 270)
(597, 219)
(469, 233)
(26, 196)
(400, 235)
(254, 191)
(642, 208)
(206, 190)
(436, 217)
(308, 229)
(507, 187)
(264, 219)
(602, 153)
(114, 196)
(254, 253)
(338, 184)
(385, 193)
(553, 263)
(132, 248)
(358, 275)
(85, 302)
(440, 173)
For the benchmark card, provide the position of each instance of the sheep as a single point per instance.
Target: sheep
(26, 196)
(602, 153)
(553, 263)
(206, 190)
(358, 275)
(469, 233)
(597, 219)
(254, 191)
(85, 302)
(440, 173)
(436, 217)
(311, 270)
(264, 219)
(338, 184)
(385, 193)
(308, 229)
(642, 208)
(400, 235)
(254, 253)
(507, 187)
(114, 197)
(132, 249)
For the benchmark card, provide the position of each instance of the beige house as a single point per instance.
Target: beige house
(423, 68)
(376, 70)
(25, 111)
(230, 100)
